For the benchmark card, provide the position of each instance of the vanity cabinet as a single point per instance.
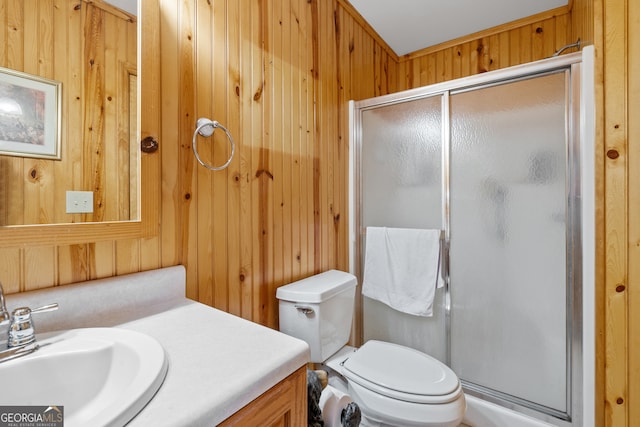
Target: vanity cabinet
(285, 404)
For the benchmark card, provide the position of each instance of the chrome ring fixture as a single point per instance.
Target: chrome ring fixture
(205, 128)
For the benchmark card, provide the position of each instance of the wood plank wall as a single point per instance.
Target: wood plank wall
(632, 325)
(617, 41)
(614, 29)
(278, 74)
(89, 48)
(532, 39)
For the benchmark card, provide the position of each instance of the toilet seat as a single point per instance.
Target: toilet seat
(402, 373)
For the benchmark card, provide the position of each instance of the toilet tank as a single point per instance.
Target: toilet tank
(319, 310)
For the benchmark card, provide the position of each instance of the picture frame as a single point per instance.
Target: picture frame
(29, 115)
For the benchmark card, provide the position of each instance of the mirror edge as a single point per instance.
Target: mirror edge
(148, 225)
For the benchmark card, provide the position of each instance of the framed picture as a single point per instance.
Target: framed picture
(29, 115)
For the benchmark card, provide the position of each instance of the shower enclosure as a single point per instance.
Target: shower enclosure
(495, 161)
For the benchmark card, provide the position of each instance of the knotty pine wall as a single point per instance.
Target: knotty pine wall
(278, 75)
(516, 43)
(617, 41)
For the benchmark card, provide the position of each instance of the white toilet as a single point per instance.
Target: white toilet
(393, 385)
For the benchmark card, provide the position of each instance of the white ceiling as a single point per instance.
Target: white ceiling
(411, 25)
(130, 6)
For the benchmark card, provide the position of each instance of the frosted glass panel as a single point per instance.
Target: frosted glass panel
(508, 230)
(402, 165)
(401, 158)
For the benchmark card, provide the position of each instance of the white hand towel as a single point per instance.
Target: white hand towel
(401, 268)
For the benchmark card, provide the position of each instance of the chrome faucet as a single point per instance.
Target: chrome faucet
(17, 333)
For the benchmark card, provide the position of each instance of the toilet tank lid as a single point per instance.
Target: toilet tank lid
(317, 288)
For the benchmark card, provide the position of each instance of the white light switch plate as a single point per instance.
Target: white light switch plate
(79, 201)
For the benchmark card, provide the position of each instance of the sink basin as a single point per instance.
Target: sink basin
(102, 376)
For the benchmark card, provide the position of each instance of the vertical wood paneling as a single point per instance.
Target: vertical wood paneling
(127, 256)
(221, 92)
(286, 146)
(344, 40)
(40, 263)
(102, 260)
(619, 81)
(11, 270)
(276, 117)
(271, 161)
(71, 153)
(322, 93)
(251, 235)
(73, 263)
(93, 178)
(149, 113)
(205, 29)
(310, 38)
(187, 185)
(328, 122)
(588, 25)
(296, 141)
(583, 21)
(234, 172)
(269, 72)
(633, 64)
(524, 42)
(513, 46)
(33, 189)
(171, 197)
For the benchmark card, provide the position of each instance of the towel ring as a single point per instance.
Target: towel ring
(206, 127)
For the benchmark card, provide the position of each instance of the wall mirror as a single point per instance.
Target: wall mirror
(91, 48)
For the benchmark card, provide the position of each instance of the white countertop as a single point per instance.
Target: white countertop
(218, 363)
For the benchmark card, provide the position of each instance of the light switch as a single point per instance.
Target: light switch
(79, 201)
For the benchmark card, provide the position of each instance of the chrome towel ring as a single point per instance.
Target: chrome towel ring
(206, 127)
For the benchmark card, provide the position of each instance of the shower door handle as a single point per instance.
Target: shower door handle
(444, 258)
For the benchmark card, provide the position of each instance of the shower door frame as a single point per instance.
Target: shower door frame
(580, 213)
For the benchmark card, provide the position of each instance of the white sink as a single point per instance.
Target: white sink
(102, 376)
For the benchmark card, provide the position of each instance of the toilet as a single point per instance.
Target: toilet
(392, 384)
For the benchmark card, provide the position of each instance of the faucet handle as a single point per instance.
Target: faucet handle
(45, 308)
(21, 331)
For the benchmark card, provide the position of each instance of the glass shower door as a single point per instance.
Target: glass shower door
(401, 176)
(508, 251)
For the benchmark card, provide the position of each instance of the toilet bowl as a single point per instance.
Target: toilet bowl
(393, 385)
